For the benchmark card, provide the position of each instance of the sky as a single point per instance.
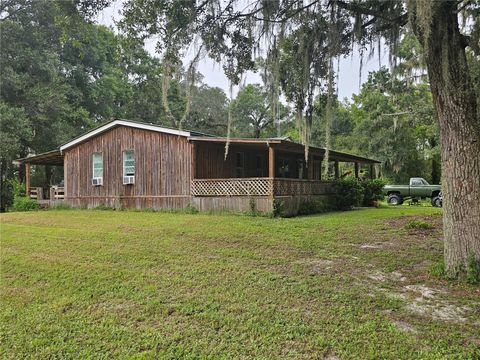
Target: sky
(349, 67)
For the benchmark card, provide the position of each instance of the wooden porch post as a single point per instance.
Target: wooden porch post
(357, 167)
(372, 171)
(337, 170)
(271, 162)
(27, 179)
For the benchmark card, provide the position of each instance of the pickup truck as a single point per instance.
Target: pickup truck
(417, 188)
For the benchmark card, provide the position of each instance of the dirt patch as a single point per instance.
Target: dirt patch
(377, 245)
(332, 357)
(422, 299)
(426, 301)
(382, 277)
(423, 290)
(402, 325)
(401, 223)
(440, 310)
(317, 266)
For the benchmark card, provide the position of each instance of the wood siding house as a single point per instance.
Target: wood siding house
(125, 164)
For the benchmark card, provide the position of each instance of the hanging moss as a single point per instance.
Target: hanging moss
(229, 122)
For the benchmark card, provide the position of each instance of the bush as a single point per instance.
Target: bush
(190, 209)
(23, 203)
(279, 208)
(372, 191)
(314, 207)
(473, 270)
(438, 268)
(348, 193)
(18, 188)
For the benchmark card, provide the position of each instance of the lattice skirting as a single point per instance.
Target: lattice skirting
(259, 187)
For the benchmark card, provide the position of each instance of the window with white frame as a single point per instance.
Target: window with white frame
(97, 169)
(128, 166)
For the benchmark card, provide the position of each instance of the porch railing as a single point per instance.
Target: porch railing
(35, 193)
(259, 187)
(283, 187)
(56, 193)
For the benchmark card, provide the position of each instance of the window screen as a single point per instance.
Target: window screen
(239, 164)
(97, 161)
(259, 161)
(128, 163)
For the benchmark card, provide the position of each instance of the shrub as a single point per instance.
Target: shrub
(372, 191)
(418, 224)
(438, 268)
(23, 203)
(18, 188)
(279, 208)
(348, 193)
(314, 207)
(473, 270)
(190, 209)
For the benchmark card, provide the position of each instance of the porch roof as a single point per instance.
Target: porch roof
(283, 144)
(53, 157)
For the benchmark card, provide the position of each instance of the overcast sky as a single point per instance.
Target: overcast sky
(348, 82)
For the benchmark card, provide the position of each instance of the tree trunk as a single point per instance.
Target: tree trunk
(435, 170)
(256, 131)
(455, 103)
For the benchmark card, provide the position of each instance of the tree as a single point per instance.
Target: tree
(61, 75)
(436, 25)
(394, 122)
(208, 111)
(232, 30)
(251, 111)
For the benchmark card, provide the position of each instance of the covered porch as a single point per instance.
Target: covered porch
(52, 192)
(270, 167)
(256, 173)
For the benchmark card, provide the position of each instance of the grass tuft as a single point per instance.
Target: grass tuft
(418, 224)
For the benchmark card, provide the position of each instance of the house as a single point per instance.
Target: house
(126, 164)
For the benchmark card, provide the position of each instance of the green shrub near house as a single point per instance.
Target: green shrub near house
(372, 191)
(348, 193)
(352, 192)
(316, 206)
(21, 202)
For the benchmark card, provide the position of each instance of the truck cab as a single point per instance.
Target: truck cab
(419, 187)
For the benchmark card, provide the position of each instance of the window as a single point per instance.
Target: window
(284, 168)
(317, 169)
(97, 169)
(301, 168)
(259, 161)
(416, 182)
(239, 164)
(128, 166)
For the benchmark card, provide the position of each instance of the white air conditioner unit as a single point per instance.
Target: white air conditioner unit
(127, 180)
(98, 181)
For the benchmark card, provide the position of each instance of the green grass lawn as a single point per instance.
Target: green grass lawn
(106, 284)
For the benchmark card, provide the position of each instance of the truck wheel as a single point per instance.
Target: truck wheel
(437, 202)
(395, 199)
